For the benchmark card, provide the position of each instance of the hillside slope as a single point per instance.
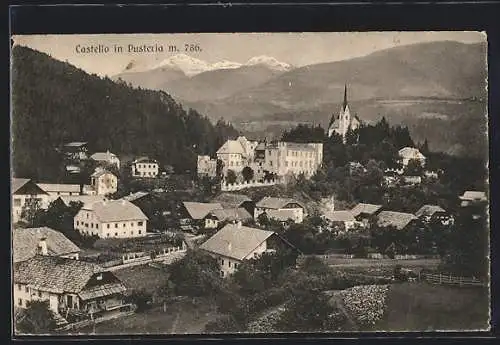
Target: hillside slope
(54, 102)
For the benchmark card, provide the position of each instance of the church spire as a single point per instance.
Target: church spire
(344, 105)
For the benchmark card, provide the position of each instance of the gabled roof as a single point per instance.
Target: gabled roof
(410, 152)
(231, 146)
(18, 183)
(25, 243)
(76, 144)
(100, 172)
(362, 208)
(399, 220)
(340, 216)
(145, 160)
(473, 196)
(230, 214)
(235, 241)
(199, 210)
(428, 210)
(231, 200)
(276, 203)
(87, 200)
(54, 274)
(117, 211)
(135, 196)
(103, 156)
(59, 187)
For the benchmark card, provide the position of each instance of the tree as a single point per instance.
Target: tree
(231, 177)
(37, 318)
(141, 298)
(414, 168)
(247, 173)
(32, 212)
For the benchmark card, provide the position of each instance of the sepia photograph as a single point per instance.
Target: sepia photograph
(249, 183)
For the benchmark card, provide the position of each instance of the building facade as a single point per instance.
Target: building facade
(106, 158)
(25, 191)
(407, 154)
(104, 182)
(280, 209)
(145, 167)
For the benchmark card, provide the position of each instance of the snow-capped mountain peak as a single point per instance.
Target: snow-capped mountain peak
(189, 65)
(270, 62)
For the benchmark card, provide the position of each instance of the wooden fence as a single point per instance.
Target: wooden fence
(448, 279)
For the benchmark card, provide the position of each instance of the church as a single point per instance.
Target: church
(341, 123)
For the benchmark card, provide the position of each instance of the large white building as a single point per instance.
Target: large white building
(280, 158)
(342, 122)
(111, 219)
(281, 209)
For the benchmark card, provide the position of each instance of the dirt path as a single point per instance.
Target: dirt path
(340, 305)
(173, 330)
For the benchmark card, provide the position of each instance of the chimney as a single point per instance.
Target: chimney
(81, 188)
(42, 247)
(238, 224)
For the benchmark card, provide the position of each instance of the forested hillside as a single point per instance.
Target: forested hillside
(54, 102)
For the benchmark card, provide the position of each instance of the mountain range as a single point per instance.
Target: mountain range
(443, 83)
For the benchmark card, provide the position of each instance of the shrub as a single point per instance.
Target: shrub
(225, 324)
(142, 299)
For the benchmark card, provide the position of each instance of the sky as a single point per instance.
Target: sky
(298, 49)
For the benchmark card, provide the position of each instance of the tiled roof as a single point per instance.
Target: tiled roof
(232, 146)
(199, 210)
(275, 203)
(145, 160)
(54, 274)
(410, 152)
(231, 200)
(76, 144)
(399, 220)
(135, 196)
(365, 208)
(474, 195)
(25, 243)
(100, 172)
(340, 216)
(117, 211)
(428, 210)
(57, 187)
(87, 200)
(102, 290)
(231, 214)
(235, 241)
(103, 156)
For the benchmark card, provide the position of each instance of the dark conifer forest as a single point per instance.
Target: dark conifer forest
(55, 103)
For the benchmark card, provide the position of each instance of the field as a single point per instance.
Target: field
(425, 307)
(416, 264)
(142, 277)
(182, 317)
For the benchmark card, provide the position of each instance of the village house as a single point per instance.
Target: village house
(366, 213)
(29, 242)
(279, 209)
(235, 243)
(111, 219)
(470, 198)
(397, 220)
(54, 190)
(192, 214)
(76, 151)
(70, 286)
(430, 213)
(411, 180)
(106, 158)
(145, 167)
(103, 182)
(341, 221)
(23, 192)
(234, 215)
(235, 200)
(407, 154)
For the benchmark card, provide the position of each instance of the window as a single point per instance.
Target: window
(131, 233)
(77, 223)
(123, 224)
(116, 234)
(140, 232)
(20, 302)
(229, 263)
(131, 223)
(92, 225)
(27, 289)
(222, 262)
(17, 202)
(97, 226)
(39, 293)
(107, 226)
(116, 225)
(107, 235)
(139, 223)
(19, 287)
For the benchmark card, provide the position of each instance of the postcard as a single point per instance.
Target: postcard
(213, 183)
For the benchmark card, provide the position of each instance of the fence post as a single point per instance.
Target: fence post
(440, 278)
